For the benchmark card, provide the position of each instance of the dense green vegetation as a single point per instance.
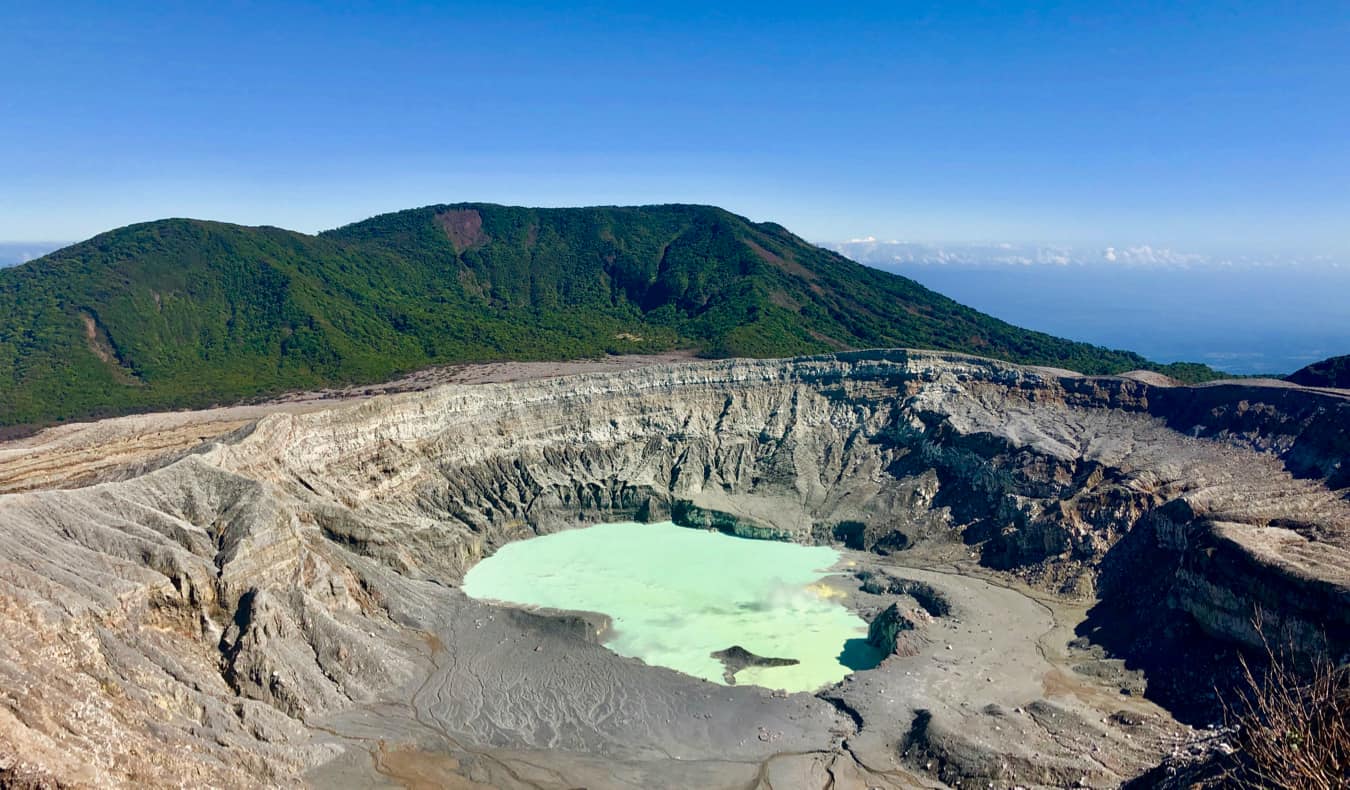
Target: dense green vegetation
(1333, 372)
(181, 313)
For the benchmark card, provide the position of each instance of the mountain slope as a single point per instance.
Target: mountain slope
(185, 312)
(1332, 372)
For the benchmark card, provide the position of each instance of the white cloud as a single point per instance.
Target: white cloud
(898, 253)
(1148, 255)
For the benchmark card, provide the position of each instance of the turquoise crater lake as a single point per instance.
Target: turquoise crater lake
(676, 595)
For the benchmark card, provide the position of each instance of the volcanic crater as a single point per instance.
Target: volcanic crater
(1056, 566)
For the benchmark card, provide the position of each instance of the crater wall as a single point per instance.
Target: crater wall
(218, 604)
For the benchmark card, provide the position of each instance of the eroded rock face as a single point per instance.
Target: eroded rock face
(216, 605)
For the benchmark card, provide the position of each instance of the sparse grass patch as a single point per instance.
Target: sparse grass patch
(1292, 723)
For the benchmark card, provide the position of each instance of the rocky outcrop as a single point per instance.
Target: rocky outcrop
(736, 658)
(291, 569)
(887, 631)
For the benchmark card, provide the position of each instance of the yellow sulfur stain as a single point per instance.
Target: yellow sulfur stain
(823, 590)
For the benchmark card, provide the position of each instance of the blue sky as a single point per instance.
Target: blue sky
(1207, 126)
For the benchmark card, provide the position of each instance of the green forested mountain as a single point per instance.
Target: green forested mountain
(187, 313)
(1333, 372)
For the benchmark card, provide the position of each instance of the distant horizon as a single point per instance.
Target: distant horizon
(977, 251)
(982, 252)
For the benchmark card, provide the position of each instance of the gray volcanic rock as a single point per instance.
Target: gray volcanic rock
(736, 658)
(263, 606)
(886, 631)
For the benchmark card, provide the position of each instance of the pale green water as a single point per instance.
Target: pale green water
(677, 594)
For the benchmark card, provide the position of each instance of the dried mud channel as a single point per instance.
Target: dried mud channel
(1058, 567)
